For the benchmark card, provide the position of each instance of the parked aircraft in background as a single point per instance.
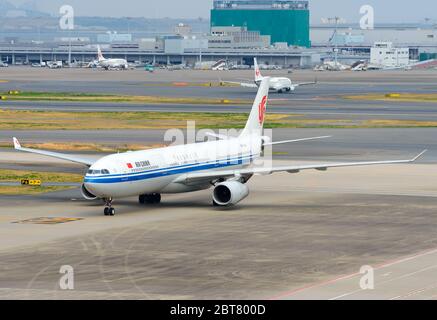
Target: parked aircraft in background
(278, 84)
(111, 63)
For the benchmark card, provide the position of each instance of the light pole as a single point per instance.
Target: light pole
(336, 21)
(69, 51)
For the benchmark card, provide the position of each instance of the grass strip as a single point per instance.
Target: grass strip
(27, 190)
(17, 175)
(402, 97)
(95, 97)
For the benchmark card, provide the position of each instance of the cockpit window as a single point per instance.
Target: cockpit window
(104, 171)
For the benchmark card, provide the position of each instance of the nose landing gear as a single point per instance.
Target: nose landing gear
(109, 210)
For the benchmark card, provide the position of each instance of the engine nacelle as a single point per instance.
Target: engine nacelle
(230, 193)
(86, 194)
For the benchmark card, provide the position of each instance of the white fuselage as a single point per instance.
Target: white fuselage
(156, 171)
(279, 84)
(114, 63)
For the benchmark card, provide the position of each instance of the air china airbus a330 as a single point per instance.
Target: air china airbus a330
(225, 164)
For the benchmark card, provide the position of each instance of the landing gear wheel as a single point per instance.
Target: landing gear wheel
(153, 198)
(142, 199)
(109, 210)
(156, 198)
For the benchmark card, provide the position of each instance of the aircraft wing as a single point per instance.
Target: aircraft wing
(304, 84)
(226, 174)
(87, 162)
(242, 84)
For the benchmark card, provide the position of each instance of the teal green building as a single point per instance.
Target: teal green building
(285, 21)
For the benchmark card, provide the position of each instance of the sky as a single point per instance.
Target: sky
(385, 10)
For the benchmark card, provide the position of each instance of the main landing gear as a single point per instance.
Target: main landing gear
(282, 90)
(109, 210)
(153, 198)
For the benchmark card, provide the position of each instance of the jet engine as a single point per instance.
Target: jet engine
(230, 193)
(86, 194)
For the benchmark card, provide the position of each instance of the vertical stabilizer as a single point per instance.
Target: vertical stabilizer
(258, 75)
(99, 54)
(255, 123)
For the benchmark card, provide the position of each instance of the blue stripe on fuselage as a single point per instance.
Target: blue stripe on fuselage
(173, 167)
(169, 171)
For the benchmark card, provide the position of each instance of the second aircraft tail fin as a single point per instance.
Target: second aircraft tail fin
(99, 54)
(258, 75)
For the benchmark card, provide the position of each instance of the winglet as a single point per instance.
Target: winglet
(419, 155)
(17, 144)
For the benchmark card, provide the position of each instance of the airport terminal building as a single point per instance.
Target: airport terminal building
(285, 21)
(278, 32)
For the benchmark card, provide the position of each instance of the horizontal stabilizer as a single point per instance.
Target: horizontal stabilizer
(218, 136)
(297, 140)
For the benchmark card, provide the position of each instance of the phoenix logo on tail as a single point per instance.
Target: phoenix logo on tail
(262, 110)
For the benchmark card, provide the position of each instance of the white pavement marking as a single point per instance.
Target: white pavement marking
(412, 273)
